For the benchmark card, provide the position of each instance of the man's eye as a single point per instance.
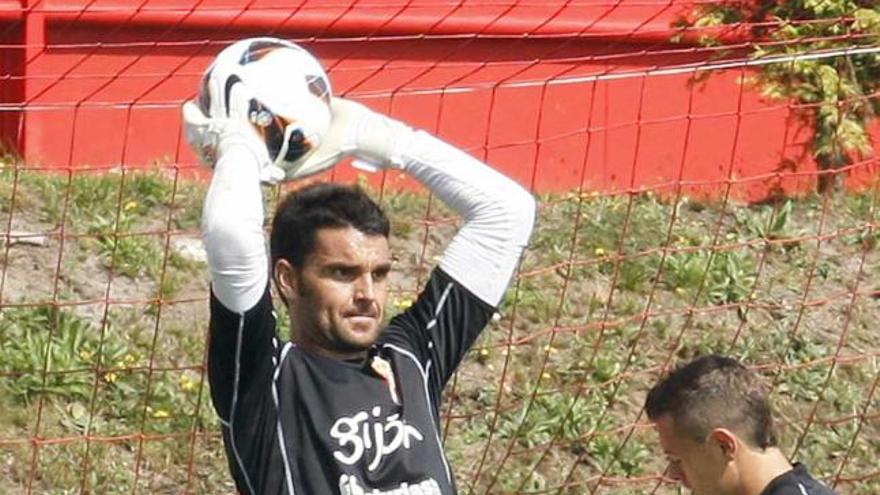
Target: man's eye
(380, 275)
(342, 273)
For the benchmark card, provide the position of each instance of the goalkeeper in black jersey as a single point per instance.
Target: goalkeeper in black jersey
(347, 406)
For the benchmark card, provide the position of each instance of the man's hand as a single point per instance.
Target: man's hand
(367, 136)
(207, 136)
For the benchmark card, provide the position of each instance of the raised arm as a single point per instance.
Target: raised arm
(243, 339)
(232, 228)
(498, 213)
(476, 268)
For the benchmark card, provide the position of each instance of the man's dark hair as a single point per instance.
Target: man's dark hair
(303, 212)
(714, 392)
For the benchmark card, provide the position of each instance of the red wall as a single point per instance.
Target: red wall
(554, 96)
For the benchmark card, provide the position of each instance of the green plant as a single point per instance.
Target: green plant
(766, 222)
(731, 276)
(807, 379)
(54, 352)
(836, 94)
(626, 460)
(126, 253)
(684, 271)
(532, 301)
(634, 273)
(558, 416)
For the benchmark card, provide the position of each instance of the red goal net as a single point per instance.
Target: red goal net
(707, 182)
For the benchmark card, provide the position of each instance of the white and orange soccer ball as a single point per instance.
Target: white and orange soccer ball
(277, 87)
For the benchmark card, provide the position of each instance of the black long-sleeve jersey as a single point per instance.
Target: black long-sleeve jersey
(797, 481)
(296, 422)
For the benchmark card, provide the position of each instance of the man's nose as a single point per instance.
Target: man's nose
(364, 287)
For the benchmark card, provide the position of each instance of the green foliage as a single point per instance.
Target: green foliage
(127, 254)
(634, 274)
(50, 351)
(721, 277)
(767, 222)
(557, 416)
(838, 93)
(806, 380)
(626, 460)
(609, 337)
(117, 216)
(684, 271)
(533, 301)
(633, 223)
(563, 421)
(731, 276)
(56, 354)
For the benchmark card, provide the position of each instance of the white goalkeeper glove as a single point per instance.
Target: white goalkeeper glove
(372, 139)
(208, 137)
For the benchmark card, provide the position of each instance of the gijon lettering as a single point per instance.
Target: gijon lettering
(370, 435)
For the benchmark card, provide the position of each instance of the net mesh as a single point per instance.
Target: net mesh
(678, 215)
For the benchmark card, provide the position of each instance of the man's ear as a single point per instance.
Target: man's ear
(726, 441)
(286, 280)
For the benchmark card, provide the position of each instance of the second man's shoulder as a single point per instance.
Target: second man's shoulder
(798, 481)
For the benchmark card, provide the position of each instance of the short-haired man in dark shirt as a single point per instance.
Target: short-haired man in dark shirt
(716, 429)
(350, 405)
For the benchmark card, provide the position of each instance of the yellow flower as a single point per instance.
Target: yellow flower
(110, 377)
(130, 205)
(599, 251)
(186, 383)
(403, 303)
(160, 413)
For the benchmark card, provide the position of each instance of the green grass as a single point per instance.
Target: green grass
(584, 331)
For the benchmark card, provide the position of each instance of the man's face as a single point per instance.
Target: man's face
(701, 467)
(339, 295)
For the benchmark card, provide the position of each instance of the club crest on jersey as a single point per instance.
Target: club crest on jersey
(366, 435)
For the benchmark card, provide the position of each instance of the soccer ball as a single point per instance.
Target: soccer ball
(278, 88)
